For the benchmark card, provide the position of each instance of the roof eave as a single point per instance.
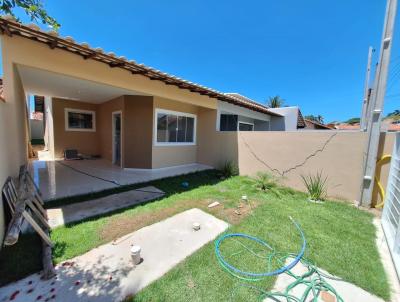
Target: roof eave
(10, 28)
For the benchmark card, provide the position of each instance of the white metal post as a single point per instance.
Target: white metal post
(365, 107)
(377, 102)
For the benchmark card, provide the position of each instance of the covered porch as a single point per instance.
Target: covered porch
(59, 178)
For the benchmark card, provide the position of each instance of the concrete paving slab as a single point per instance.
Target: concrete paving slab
(79, 211)
(387, 261)
(60, 178)
(107, 273)
(348, 291)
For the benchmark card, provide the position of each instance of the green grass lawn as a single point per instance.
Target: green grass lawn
(341, 238)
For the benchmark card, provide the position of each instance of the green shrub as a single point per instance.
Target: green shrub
(265, 181)
(315, 185)
(229, 169)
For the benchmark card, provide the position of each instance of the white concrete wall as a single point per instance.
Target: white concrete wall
(289, 123)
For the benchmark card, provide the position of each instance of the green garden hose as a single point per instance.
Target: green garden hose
(313, 279)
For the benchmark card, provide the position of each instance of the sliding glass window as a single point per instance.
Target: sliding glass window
(175, 127)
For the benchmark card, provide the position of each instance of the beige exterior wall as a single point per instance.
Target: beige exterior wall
(339, 155)
(215, 147)
(104, 126)
(13, 128)
(167, 156)
(31, 53)
(86, 142)
(138, 131)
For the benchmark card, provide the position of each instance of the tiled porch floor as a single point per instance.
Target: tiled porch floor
(58, 179)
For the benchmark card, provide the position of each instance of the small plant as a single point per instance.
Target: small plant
(316, 186)
(267, 182)
(229, 169)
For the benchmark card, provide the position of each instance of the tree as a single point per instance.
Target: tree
(394, 113)
(315, 118)
(275, 102)
(354, 120)
(33, 8)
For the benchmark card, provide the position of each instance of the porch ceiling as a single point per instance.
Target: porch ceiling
(42, 82)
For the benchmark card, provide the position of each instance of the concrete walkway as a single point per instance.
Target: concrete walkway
(387, 261)
(59, 179)
(107, 273)
(349, 292)
(95, 207)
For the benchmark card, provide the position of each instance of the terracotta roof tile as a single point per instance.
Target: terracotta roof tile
(10, 27)
(316, 124)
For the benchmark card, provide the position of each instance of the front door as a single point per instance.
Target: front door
(116, 138)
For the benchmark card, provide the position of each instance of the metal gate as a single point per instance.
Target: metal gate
(391, 210)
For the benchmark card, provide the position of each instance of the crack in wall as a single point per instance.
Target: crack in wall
(284, 172)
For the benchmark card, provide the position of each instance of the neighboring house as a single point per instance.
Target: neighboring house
(293, 119)
(233, 118)
(314, 125)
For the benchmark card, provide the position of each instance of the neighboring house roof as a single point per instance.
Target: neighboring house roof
(10, 27)
(1, 91)
(250, 102)
(345, 126)
(316, 125)
(385, 127)
(301, 123)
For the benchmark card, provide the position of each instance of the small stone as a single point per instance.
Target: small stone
(214, 204)
(237, 212)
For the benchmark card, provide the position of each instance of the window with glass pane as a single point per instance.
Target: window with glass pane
(181, 129)
(189, 129)
(245, 127)
(79, 120)
(175, 128)
(172, 121)
(161, 127)
(228, 122)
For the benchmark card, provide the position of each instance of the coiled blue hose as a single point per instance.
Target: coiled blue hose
(281, 270)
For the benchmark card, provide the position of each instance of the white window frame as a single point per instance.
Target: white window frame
(245, 123)
(93, 113)
(178, 113)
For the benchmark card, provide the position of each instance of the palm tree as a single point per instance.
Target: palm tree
(315, 118)
(275, 102)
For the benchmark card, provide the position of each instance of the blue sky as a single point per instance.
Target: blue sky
(312, 53)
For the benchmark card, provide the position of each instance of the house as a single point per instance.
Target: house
(293, 119)
(106, 106)
(314, 125)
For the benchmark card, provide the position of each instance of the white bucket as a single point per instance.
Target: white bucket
(135, 254)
